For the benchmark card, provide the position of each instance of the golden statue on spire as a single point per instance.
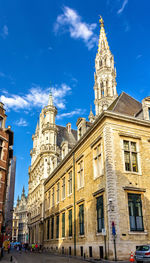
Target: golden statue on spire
(101, 21)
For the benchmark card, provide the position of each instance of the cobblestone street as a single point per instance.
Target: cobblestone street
(30, 257)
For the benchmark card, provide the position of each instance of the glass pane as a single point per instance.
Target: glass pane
(127, 161)
(139, 222)
(133, 146)
(134, 162)
(131, 209)
(138, 209)
(132, 223)
(126, 145)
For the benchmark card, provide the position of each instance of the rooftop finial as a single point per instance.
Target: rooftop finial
(101, 21)
(50, 101)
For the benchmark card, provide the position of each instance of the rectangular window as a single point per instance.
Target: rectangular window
(130, 156)
(49, 199)
(58, 193)
(63, 225)
(48, 229)
(100, 214)
(97, 161)
(1, 147)
(57, 226)
(53, 196)
(135, 212)
(52, 227)
(81, 219)
(70, 223)
(70, 183)
(63, 188)
(45, 202)
(80, 174)
(149, 112)
(80, 132)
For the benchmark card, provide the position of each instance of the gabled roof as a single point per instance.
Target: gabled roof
(63, 135)
(125, 104)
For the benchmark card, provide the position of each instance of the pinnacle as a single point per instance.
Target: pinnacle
(50, 101)
(103, 43)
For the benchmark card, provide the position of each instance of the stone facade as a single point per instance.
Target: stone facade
(98, 194)
(6, 153)
(20, 220)
(50, 145)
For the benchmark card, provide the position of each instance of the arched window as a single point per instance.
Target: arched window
(102, 90)
(100, 63)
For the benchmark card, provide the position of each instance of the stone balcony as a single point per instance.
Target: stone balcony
(48, 126)
(49, 148)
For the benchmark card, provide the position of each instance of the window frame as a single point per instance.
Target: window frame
(131, 153)
(63, 225)
(80, 173)
(134, 196)
(58, 192)
(70, 222)
(53, 196)
(101, 202)
(57, 226)
(52, 227)
(48, 229)
(81, 220)
(63, 188)
(70, 183)
(97, 167)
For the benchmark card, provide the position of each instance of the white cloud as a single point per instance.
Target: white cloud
(125, 2)
(4, 33)
(21, 123)
(72, 22)
(15, 102)
(71, 114)
(37, 97)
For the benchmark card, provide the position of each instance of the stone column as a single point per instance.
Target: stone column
(111, 187)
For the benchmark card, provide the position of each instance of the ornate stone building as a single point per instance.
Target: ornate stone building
(20, 220)
(6, 154)
(97, 197)
(50, 145)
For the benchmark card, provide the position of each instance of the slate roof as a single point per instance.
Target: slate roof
(63, 135)
(125, 104)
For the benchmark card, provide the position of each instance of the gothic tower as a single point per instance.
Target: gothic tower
(105, 74)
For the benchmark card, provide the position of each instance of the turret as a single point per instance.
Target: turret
(105, 74)
(91, 116)
(23, 191)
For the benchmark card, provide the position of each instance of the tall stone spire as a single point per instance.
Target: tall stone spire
(50, 101)
(105, 74)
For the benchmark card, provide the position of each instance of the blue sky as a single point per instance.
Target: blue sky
(53, 44)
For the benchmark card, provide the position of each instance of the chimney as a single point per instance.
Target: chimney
(68, 126)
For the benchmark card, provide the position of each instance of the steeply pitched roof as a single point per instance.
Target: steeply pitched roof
(63, 135)
(125, 104)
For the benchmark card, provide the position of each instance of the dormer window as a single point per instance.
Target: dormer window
(80, 132)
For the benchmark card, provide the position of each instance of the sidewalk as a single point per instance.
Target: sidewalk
(7, 258)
